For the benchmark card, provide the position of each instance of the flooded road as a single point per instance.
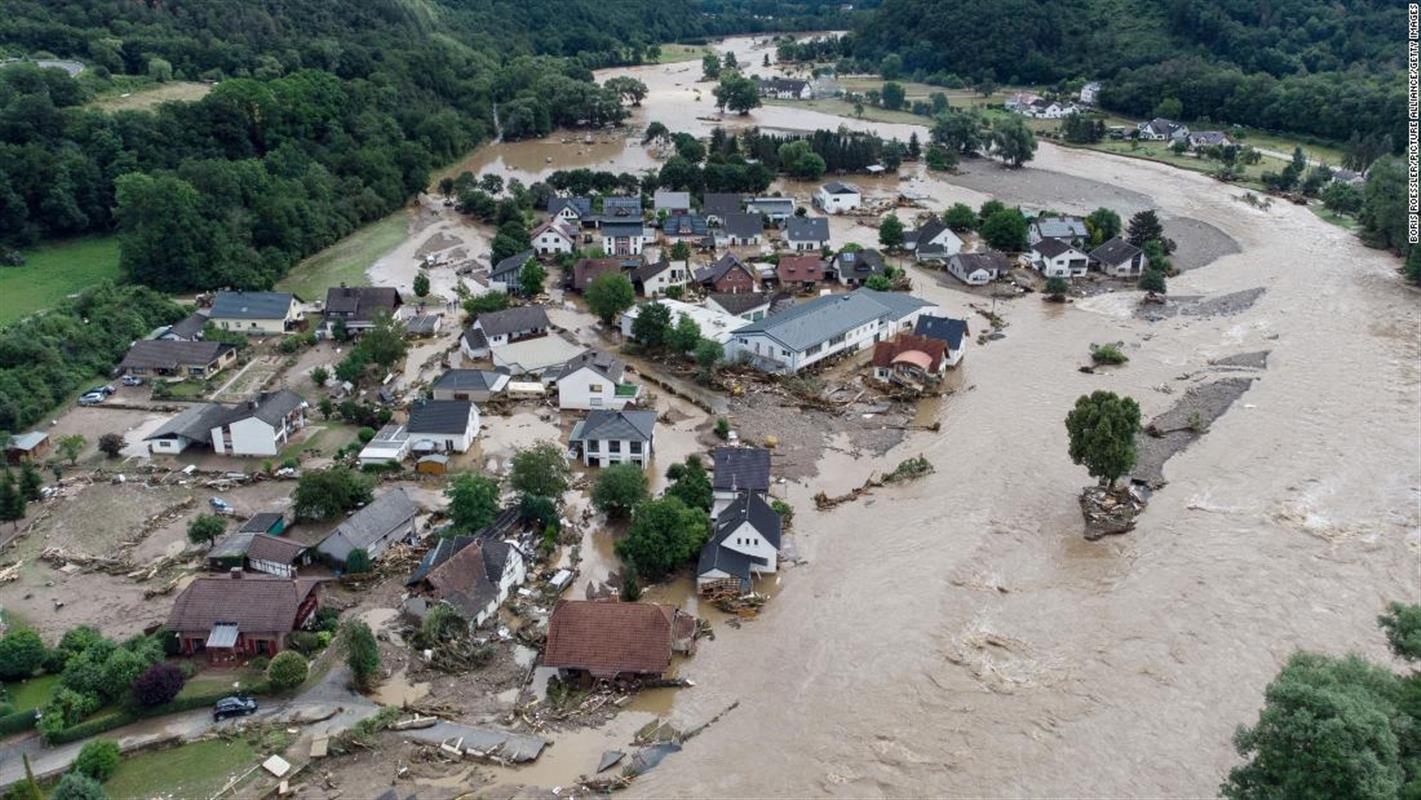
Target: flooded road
(956, 635)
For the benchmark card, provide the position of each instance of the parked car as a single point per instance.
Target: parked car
(92, 399)
(221, 506)
(103, 390)
(233, 706)
(132, 380)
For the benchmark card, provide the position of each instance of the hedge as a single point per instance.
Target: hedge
(128, 716)
(17, 721)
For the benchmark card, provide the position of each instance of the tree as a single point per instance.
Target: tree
(655, 130)
(1342, 198)
(663, 535)
(690, 483)
(71, 446)
(710, 67)
(531, 278)
(12, 500)
(22, 653)
(287, 670)
(320, 375)
(74, 786)
(421, 284)
(893, 95)
(891, 67)
(1012, 140)
(684, 337)
(737, 93)
(1152, 281)
(890, 232)
(1402, 624)
(680, 251)
(324, 494)
(618, 489)
(485, 303)
(111, 445)
(1102, 430)
(1056, 288)
(1144, 226)
(652, 323)
(1005, 230)
(628, 89)
(1103, 225)
(362, 654)
(158, 684)
(708, 354)
(357, 562)
(97, 759)
(160, 70)
(879, 283)
(383, 343)
(1169, 108)
(540, 471)
(205, 528)
(960, 131)
(960, 217)
(729, 61)
(609, 294)
(800, 161)
(473, 501)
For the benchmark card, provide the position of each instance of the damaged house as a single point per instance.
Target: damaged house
(745, 541)
(472, 575)
(590, 640)
(910, 360)
(388, 519)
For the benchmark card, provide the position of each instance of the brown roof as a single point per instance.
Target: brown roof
(800, 268)
(273, 548)
(254, 603)
(885, 353)
(610, 638)
(170, 354)
(588, 268)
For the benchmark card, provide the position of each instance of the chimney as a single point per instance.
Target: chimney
(236, 573)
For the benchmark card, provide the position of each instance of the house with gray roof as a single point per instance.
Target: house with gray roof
(774, 209)
(471, 574)
(953, 333)
(684, 226)
(622, 237)
(261, 426)
(477, 385)
(933, 242)
(506, 272)
(826, 326)
(498, 328)
(855, 267)
(442, 426)
(745, 541)
(978, 269)
(607, 437)
(1119, 258)
(736, 471)
(715, 205)
(192, 426)
(187, 329)
(387, 519)
(595, 380)
(807, 233)
(575, 210)
(1070, 230)
(30, 446)
(256, 313)
(168, 358)
(671, 202)
(358, 307)
(743, 230)
(836, 197)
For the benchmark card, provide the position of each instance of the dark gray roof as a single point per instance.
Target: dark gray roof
(807, 229)
(1050, 248)
(251, 305)
(990, 260)
(840, 187)
(361, 303)
(944, 329)
(194, 422)
(684, 225)
(667, 198)
(931, 228)
(581, 205)
(370, 524)
(859, 264)
(648, 271)
(739, 302)
(824, 317)
(1060, 227)
(262, 522)
(172, 354)
(439, 416)
(715, 557)
(478, 380)
(722, 265)
(603, 364)
(621, 228)
(604, 425)
(1115, 251)
(786, 203)
(743, 225)
(422, 324)
(741, 469)
(752, 508)
(190, 326)
(510, 265)
(721, 203)
(513, 320)
(269, 407)
(621, 208)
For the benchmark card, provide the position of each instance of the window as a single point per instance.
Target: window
(635, 448)
(815, 349)
(594, 446)
(833, 340)
(614, 446)
(595, 388)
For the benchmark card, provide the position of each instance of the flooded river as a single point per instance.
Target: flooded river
(956, 635)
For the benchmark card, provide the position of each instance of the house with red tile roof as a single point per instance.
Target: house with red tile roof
(234, 617)
(910, 360)
(590, 640)
(800, 272)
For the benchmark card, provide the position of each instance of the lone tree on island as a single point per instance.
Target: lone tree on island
(1102, 434)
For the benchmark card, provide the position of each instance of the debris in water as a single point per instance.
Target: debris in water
(610, 759)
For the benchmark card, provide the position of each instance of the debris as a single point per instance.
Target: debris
(320, 746)
(1110, 511)
(277, 766)
(911, 469)
(610, 759)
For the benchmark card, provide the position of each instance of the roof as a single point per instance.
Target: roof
(743, 225)
(807, 229)
(510, 266)
(230, 546)
(463, 572)
(786, 203)
(741, 469)
(275, 548)
(603, 425)
(251, 305)
(1161, 126)
(361, 303)
(800, 268)
(512, 320)
(921, 351)
(1050, 248)
(422, 324)
(721, 266)
(944, 329)
(989, 260)
(738, 303)
(840, 187)
(582, 206)
(721, 203)
(440, 416)
(752, 508)
(599, 362)
(818, 320)
(27, 441)
(610, 638)
(665, 198)
(254, 603)
(621, 207)
(587, 269)
(172, 354)
(370, 524)
(685, 225)
(269, 407)
(194, 422)
(731, 562)
(1115, 251)
(190, 326)
(535, 355)
(1210, 137)
(557, 226)
(475, 380)
(931, 228)
(262, 522)
(648, 271)
(1060, 227)
(860, 263)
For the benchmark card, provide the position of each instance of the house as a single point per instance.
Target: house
(187, 329)
(573, 210)
(470, 574)
(192, 426)
(553, 237)
(615, 437)
(1201, 139)
(685, 226)
(728, 275)
(784, 88)
(910, 360)
(1019, 102)
(595, 380)
(1090, 93)
(231, 618)
(1348, 176)
(623, 238)
(737, 471)
(807, 233)
(673, 203)
(255, 313)
(274, 555)
(653, 280)
(744, 541)
(743, 230)
(800, 273)
(1055, 258)
(595, 640)
(390, 446)
(1160, 129)
(585, 270)
(495, 328)
(26, 447)
(977, 269)
(478, 385)
(826, 326)
(855, 267)
(1071, 230)
(270, 523)
(1119, 258)
(836, 197)
(749, 306)
(620, 209)
(359, 306)
(1042, 108)
(259, 427)
(504, 276)
(932, 242)
(442, 426)
(951, 332)
(538, 357)
(716, 205)
(165, 358)
(774, 209)
(423, 325)
(387, 519)
(715, 324)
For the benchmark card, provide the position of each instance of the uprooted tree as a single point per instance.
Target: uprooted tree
(1102, 430)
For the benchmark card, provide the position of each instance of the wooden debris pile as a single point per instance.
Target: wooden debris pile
(731, 601)
(912, 469)
(1110, 511)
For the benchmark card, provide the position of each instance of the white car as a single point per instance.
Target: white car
(92, 399)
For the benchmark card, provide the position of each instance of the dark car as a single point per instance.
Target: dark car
(235, 706)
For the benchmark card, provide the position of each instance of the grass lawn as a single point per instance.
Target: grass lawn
(1282, 144)
(146, 94)
(211, 681)
(843, 108)
(33, 693)
(55, 270)
(331, 437)
(198, 769)
(189, 389)
(1342, 221)
(672, 53)
(1158, 151)
(347, 259)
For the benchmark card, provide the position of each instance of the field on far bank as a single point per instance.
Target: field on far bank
(672, 53)
(843, 108)
(346, 260)
(55, 270)
(148, 95)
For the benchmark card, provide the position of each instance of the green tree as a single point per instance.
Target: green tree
(160, 70)
(960, 217)
(1102, 429)
(684, 337)
(383, 343)
(421, 284)
(893, 95)
(12, 500)
(1152, 281)
(320, 375)
(651, 325)
(618, 489)
(357, 561)
(1402, 624)
(1057, 287)
(1005, 230)
(362, 654)
(71, 446)
(963, 132)
(609, 294)
(1145, 226)
(710, 66)
(680, 251)
(1342, 198)
(485, 303)
(891, 67)
(205, 528)
(1169, 108)
(326, 493)
(31, 481)
(664, 534)
(890, 232)
(737, 93)
(690, 483)
(74, 786)
(531, 278)
(97, 759)
(111, 445)
(473, 501)
(1103, 225)
(287, 670)
(879, 283)
(22, 653)
(1012, 140)
(708, 354)
(540, 471)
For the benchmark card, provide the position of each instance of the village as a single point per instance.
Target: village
(529, 488)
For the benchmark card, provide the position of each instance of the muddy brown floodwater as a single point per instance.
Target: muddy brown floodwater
(955, 635)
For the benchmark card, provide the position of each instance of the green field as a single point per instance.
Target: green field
(1158, 151)
(672, 53)
(144, 94)
(54, 271)
(843, 108)
(346, 260)
(33, 693)
(198, 769)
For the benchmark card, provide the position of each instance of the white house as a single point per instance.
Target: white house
(1118, 258)
(498, 328)
(745, 541)
(953, 333)
(1055, 258)
(934, 241)
(671, 202)
(785, 88)
(573, 210)
(736, 471)
(388, 519)
(260, 427)
(775, 209)
(1090, 93)
(554, 237)
(749, 306)
(442, 426)
(823, 327)
(1160, 129)
(606, 437)
(804, 234)
(1048, 109)
(255, 313)
(477, 385)
(391, 443)
(977, 269)
(1071, 230)
(473, 574)
(193, 426)
(836, 197)
(595, 380)
(504, 276)
(540, 357)
(743, 230)
(623, 238)
(653, 279)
